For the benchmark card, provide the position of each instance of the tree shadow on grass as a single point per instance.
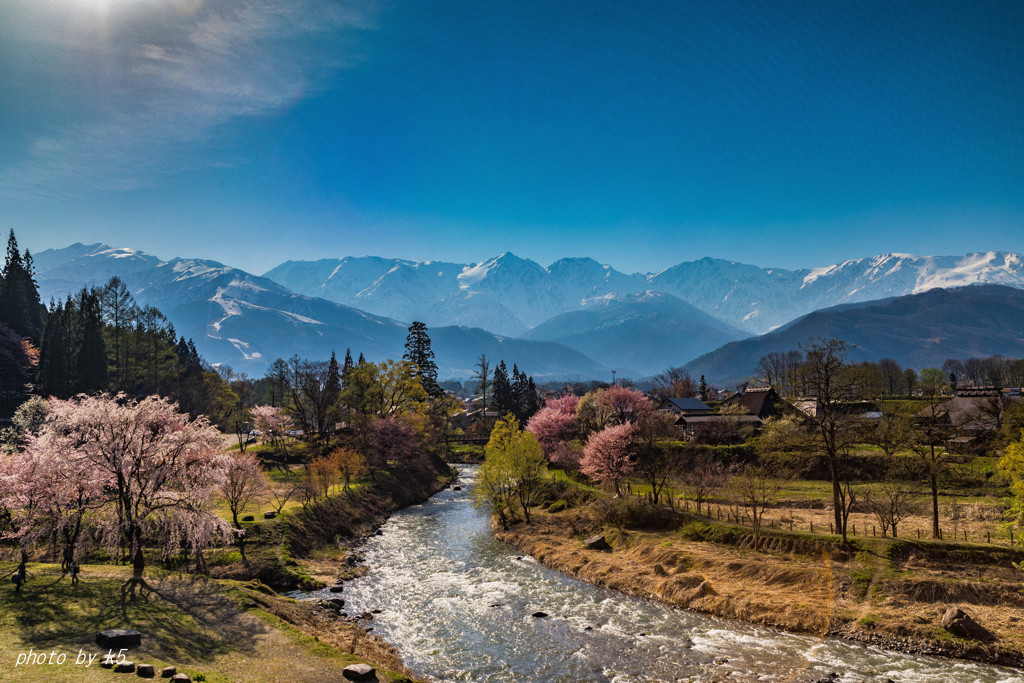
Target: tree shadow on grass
(184, 619)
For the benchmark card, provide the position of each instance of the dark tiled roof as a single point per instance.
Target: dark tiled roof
(687, 404)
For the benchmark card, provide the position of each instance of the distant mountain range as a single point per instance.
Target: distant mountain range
(247, 321)
(917, 331)
(510, 295)
(574, 319)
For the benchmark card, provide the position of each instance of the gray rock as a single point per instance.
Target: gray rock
(960, 624)
(359, 672)
(107, 663)
(337, 588)
(168, 671)
(145, 671)
(118, 638)
(125, 667)
(597, 543)
(269, 514)
(336, 603)
(181, 678)
(248, 518)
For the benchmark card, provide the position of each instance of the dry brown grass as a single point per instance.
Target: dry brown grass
(860, 595)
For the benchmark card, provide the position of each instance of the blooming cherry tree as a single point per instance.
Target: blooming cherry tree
(606, 457)
(554, 425)
(157, 467)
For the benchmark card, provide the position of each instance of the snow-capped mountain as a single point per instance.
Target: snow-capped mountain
(506, 295)
(247, 321)
(509, 294)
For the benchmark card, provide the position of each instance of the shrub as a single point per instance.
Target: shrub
(635, 513)
(558, 506)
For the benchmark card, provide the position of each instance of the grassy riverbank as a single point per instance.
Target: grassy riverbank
(226, 626)
(213, 630)
(883, 591)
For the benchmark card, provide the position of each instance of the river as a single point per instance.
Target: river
(458, 605)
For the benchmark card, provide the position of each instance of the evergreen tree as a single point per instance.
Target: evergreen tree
(332, 389)
(362, 359)
(20, 307)
(703, 389)
(91, 360)
(532, 404)
(346, 369)
(55, 354)
(418, 351)
(503, 399)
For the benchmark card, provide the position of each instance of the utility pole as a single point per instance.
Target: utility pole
(613, 378)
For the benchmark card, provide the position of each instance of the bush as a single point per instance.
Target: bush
(635, 513)
(558, 506)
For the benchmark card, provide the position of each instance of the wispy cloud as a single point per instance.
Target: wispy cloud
(169, 79)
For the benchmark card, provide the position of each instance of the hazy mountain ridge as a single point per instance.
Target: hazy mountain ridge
(752, 298)
(917, 330)
(247, 321)
(637, 334)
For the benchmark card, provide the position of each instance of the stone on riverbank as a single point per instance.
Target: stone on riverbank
(359, 672)
(597, 543)
(960, 624)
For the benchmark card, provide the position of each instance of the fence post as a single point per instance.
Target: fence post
(854, 529)
(872, 529)
(830, 528)
(812, 527)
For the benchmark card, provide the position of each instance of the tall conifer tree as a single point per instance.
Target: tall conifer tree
(418, 351)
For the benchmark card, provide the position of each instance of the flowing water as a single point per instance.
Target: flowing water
(458, 605)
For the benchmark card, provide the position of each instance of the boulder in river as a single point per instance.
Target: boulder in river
(118, 638)
(597, 543)
(337, 588)
(960, 624)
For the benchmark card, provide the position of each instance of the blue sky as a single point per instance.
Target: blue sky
(642, 134)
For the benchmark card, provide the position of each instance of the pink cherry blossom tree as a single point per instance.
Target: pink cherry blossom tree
(390, 439)
(244, 484)
(554, 425)
(606, 457)
(623, 404)
(157, 467)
